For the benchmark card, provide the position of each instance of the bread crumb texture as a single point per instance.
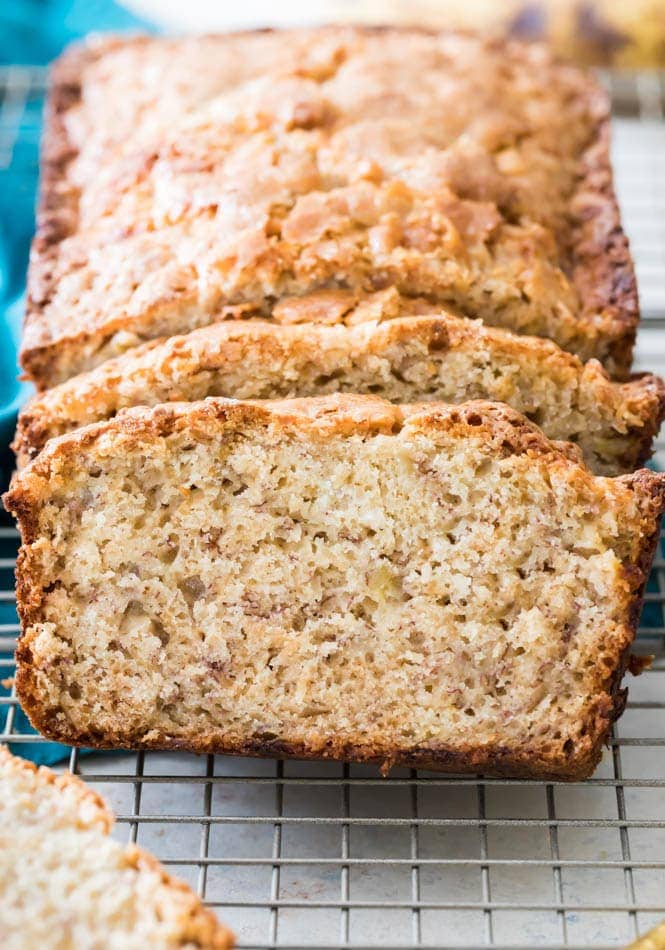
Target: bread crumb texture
(437, 358)
(334, 577)
(193, 180)
(66, 884)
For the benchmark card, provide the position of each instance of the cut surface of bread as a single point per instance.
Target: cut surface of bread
(435, 358)
(67, 885)
(338, 577)
(186, 181)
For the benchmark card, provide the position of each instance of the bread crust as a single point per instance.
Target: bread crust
(164, 370)
(101, 815)
(599, 259)
(504, 429)
(603, 269)
(200, 926)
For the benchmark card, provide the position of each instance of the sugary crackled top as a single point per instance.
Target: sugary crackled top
(226, 170)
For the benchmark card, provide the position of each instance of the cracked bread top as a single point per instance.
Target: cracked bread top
(185, 181)
(438, 357)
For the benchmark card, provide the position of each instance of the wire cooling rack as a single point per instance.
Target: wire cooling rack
(312, 855)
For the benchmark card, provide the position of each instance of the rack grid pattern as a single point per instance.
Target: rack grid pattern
(312, 855)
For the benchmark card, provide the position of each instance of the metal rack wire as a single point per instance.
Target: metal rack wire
(306, 855)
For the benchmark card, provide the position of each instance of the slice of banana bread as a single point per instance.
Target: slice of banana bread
(66, 883)
(184, 177)
(337, 577)
(442, 357)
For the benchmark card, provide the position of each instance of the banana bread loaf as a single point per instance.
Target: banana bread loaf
(188, 181)
(337, 577)
(442, 357)
(66, 884)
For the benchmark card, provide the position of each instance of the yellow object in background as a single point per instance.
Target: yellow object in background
(654, 940)
(623, 33)
(617, 33)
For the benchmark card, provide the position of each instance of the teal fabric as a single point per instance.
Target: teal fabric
(13, 392)
(35, 31)
(32, 32)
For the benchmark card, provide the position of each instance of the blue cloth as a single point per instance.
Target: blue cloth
(32, 32)
(35, 31)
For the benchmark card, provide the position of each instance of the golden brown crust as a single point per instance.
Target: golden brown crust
(101, 814)
(337, 414)
(525, 762)
(599, 262)
(650, 488)
(198, 924)
(652, 396)
(506, 431)
(211, 361)
(603, 270)
(57, 206)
